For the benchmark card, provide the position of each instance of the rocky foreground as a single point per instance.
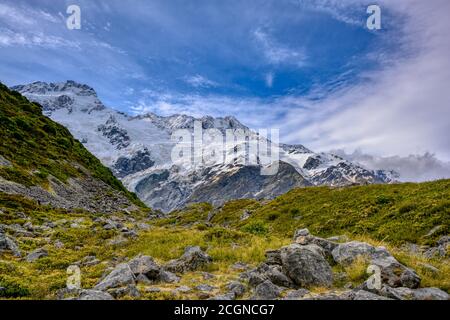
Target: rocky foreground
(288, 273)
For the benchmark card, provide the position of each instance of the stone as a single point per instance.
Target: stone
(130, 291)
(296, 294)
(183, 289)
(142, 279)
(8, 244)
(168, 277)
(267, 291)
(240, 266)
(95, 295)
(430, 294)
(89, 261)
(273, 257)
(301, 233)
(207, 276)
(205, 287)
(348, 252)
(58, 244)
(366, 295)
(36, 254)
(119, 277)
(153, 290)
(147, 266)
(276, 276)
(393, 273)
(305, 266)
(192, 259)
(236, 287)
(227, 296)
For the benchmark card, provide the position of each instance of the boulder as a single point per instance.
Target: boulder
(237, 288)
(8, 244)
(146, 266)
(267, 291)
(95, 295)
(306, 265)
(129, 290)
(192, 259)
(119, 277)
(36, 254)
(393, 273)
(303, 237)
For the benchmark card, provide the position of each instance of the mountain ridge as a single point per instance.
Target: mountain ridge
(138, 150)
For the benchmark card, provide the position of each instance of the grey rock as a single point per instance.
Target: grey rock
(267, 291)
(36, 254)
(225, 297)
(145, 265)
(8, 244)
(393, 273)
(4, 162)
(301, 233)
(348, 252)
(305, 266)
(153, 290)
(205, 287)
(430, 294)
(207, 276)
(237, 288)
(168, 277)
(119, 277)
(296, 294)
(240, 266)
(58, 244)
(192, 259)
(129, 290)
(95, 295)
(183, 289)
(366, 295)
(140, 278)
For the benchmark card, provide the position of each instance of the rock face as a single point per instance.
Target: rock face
(192, 259)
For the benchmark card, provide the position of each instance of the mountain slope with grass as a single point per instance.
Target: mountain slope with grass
(41, 160)
(205, 252)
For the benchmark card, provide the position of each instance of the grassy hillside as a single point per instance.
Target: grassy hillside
(226, 238)
(38, 147)
(396, 213)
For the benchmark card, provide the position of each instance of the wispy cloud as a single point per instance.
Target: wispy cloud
(277, 53)
(198, 81)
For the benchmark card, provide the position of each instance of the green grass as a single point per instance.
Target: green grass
(38, 147)
(396, 213)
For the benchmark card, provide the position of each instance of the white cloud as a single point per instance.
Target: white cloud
(276, 53)
(414, 168)
(401, 109)
(198, 81)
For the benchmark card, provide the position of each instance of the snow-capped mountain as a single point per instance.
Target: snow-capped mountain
(138, 149)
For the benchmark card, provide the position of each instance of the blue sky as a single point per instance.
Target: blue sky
(310, 68)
